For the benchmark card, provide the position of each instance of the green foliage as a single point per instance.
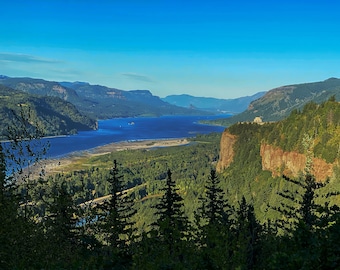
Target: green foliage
(145, 173)
(247, 242)
(116, 229)
(171, 223)
(171, 227)
(228, 237)
(306, 226)
(244, 176)
(321, 122)
(214, 223)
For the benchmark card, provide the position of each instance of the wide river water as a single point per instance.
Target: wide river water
(131, 129)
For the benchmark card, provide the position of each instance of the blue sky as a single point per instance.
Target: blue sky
(223, 49)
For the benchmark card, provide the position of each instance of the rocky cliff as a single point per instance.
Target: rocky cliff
(292, 164)
(274, 160)
(226, 150)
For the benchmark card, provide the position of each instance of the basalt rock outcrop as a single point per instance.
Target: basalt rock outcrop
(275, 160)
(292, 164)
(226, 150)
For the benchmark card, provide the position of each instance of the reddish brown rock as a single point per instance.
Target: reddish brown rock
(277, 161)
(226, 150)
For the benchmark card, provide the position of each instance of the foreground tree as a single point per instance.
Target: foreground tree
(61, 227)
(19, 234)
(247, 238)
(214, 223)
(115, 223)
(9, 207)
(167, 245)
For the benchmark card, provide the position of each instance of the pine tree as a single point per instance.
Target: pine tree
(171, 222)
(214, 226)
(8, 216)
(62, 231)
(170, 234)
(115, 221)
(247, 240)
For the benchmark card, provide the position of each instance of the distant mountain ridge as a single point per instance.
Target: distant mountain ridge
(97, 101)
(278, 103)
(215, 105)
(40, 87)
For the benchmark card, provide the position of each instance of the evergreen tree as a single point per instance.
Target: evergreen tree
(213, 221)
(61, 226)
(298, 206)
(171, 223)
(167, 245)
(116, 225)
(214, 227)
(247, 242)
(306, 225)
(311, 241)
(8, 215)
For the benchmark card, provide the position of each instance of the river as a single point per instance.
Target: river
(131, 129)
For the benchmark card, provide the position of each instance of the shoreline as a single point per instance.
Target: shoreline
(55, 165)
(138, 144)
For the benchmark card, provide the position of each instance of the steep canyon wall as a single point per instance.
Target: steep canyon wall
(275, 160)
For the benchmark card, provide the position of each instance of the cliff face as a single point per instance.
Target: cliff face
(291, 164)
(275, 160)
(226, 150)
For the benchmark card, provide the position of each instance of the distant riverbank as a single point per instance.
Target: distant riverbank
(58, 165)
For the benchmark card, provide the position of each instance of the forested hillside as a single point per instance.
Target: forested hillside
(58, 224)
(278, 103)
(313, 131)
(53, 115)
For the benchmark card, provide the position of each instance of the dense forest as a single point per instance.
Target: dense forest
(167, 208)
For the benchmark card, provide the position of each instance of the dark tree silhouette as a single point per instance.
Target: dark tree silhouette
(306, 226)
(115, 221)
(61, 223)
(214, 227)
(247, 250)
(172, 225)
(167, 246)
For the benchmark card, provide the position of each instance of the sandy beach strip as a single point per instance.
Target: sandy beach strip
(55, 165)
(132, 145)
